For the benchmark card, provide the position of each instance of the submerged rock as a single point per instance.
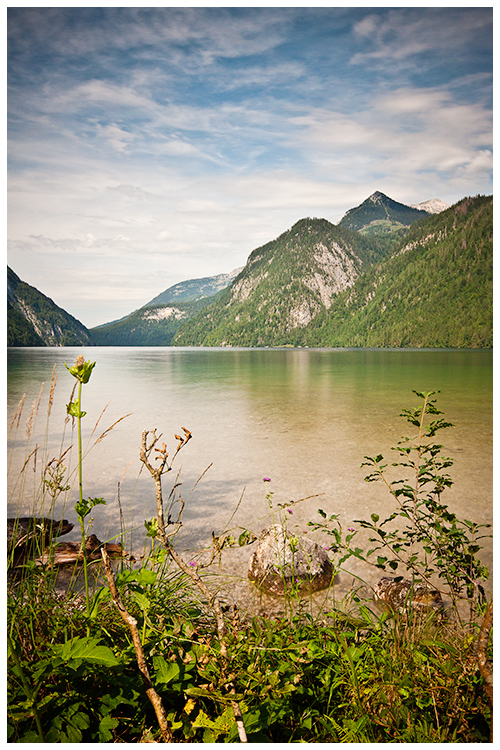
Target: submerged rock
(402, 596)
(282, 560)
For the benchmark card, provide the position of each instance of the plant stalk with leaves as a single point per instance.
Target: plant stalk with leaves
(82, 370)
(433, 541)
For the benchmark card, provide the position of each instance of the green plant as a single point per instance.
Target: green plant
(82, 370)
(433, 542)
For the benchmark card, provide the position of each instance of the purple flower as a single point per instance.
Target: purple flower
(290, 511)
(351, 529)
(266, 479)
(192, 564)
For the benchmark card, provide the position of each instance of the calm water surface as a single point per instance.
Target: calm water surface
(304, 418)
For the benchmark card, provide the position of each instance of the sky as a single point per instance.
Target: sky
(148, 146)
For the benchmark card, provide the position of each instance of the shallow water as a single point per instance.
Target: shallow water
(303, 418)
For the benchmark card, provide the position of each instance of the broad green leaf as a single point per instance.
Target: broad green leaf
(165, 671)
(86, 649)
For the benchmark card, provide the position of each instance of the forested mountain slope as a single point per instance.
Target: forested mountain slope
(283, 286)
(35, 320)
(153, 325)
(379, 214)
(435, 291)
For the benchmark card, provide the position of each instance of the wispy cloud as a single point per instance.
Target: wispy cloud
(403, 34)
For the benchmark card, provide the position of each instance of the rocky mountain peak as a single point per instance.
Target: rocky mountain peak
(377, 197)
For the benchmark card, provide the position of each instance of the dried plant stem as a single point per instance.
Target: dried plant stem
(131, 623)
(212, 599)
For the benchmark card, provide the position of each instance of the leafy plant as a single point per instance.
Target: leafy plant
(433, 542)
(82, 370)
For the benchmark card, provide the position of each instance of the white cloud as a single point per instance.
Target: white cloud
(404, 132)
(114, 136)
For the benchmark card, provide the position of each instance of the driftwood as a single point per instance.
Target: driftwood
(69, 553)
(27, 535)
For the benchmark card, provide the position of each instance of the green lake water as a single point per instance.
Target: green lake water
(303, 418)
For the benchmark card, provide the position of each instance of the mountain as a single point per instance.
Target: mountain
(434, 206)
(283, 286)
(151, 325)
(379, 214)
(35, 320)
(321, 285)
(188, 291)
(435, 290)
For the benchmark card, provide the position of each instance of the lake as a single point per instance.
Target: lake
(303, 418)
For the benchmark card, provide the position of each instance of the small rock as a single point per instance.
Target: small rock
(402, 596)
(282, 559)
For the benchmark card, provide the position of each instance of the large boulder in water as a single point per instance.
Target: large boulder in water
(283, 560)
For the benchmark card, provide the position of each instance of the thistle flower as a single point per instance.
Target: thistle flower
(81, 370)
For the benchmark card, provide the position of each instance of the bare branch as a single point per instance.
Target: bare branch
(131, 622)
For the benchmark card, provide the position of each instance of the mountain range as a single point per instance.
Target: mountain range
(378, 278)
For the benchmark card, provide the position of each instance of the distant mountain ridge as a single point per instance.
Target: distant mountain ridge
(434, 206)
(151, 325)
(35, 320)
(193, 289)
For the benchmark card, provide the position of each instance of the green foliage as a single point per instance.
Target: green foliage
(81, 370)
(85, 505)
(432, 542)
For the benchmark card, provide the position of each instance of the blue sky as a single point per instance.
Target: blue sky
(152, 145)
